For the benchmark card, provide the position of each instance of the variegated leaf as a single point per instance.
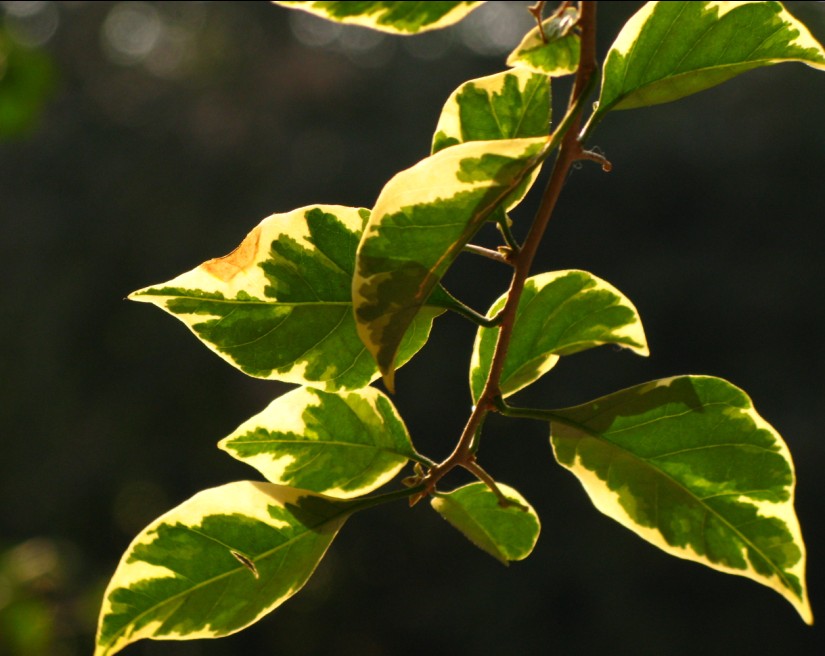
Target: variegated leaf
(668, 50)
(217, 563)
(422, 220)
(280, 307)
(554, 54)
(559, 313)
(340, 444)
(508, 105)
(393, 17)
(505, 532)
(688, 464)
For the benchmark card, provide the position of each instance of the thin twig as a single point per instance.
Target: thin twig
(593, 156)
(486, 252)
(537, 10)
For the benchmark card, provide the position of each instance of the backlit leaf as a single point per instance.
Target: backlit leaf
(558, 55)
(559, 313)
(280, 306)
(217, 563)
(393, 17)
(508, 105)
(505, 532)
(668, 50)
(339, 444)
(688, 464)
(422, 220)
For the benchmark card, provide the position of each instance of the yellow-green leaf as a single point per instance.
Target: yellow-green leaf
(509, 105)
(668, 50)
(217, 563)
(393, 17)
(280, 305)
(422, 220)
(340, 444)
(689, 465)
(559, 313)
(556, 53)
(506, 532)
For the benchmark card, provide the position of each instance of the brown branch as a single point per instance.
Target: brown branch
(569, 152)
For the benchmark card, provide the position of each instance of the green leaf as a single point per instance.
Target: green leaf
(280, 306)
(506, 533)
(688, 464)
(558, 55)
(393, 17)
(508, 105)
(342, 445)
(668, 50)
(217, 563)
(559, 313)
(422, 220)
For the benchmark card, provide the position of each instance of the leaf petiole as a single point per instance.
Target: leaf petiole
(449, 302)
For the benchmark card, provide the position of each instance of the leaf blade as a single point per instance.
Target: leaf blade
(556, 57)
(192, 572)
(279, 306)
(687, 464)
(508, 105)
(717, 41)
(559, 313)
(507, 534)
(342, 444)
(393, 17)
(422, 219)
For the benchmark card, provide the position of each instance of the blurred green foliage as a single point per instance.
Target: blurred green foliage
(27, 81)
(44, 609)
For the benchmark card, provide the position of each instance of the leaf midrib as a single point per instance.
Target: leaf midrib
(271, 303)
(320, 443)
(753, 63)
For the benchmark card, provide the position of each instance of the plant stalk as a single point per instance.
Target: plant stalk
(569, 152)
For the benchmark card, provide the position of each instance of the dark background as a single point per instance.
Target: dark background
(173, 128)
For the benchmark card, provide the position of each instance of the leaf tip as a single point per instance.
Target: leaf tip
(388, 376)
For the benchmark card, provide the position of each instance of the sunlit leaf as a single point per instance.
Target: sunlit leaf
(280, 305)
(559, 313)
(668, 50)
(339, 444)
(422, 219)
(508, 105)
(393, 17)
(217, 563)
(556, 54)
(689, 465)
(505, 532)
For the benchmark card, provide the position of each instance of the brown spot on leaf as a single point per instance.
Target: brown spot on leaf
(227, 267)
(246, 562)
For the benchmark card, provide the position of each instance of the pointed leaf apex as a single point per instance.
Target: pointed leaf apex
(388, 376)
